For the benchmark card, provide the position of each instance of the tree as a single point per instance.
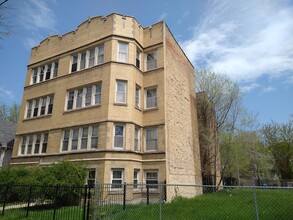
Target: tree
(223, 96)
(9, 113)
(278, 138)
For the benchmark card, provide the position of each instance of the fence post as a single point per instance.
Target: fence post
(255, 204)
(29, 200)
(5, 199)
(88, 203)
(148, 194)
(84, 202)
(124, 196)
(55, 205)
(96, 200)
(160, 199)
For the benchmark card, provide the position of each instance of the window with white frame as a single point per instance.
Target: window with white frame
(39, 107)
(33, 144)
(121, 92)
(119, 130)
(137, 60)
(136, 139)
(137, 96)
(117, 178)
(152, 179)
(151, 98)
(82, 97)
(82, 138)
(87, 58)
(44, 73)
(151, 139)
(151, 60)
(135, 178)
(91, 177)
(123, 52)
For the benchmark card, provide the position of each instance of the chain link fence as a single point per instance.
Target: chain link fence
(158, 201)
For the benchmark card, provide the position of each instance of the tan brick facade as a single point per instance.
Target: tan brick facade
(121, 99)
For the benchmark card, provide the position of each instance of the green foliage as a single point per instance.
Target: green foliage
(66, 176)
(9, 113)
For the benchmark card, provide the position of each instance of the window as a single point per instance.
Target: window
(152, 178)
(82, 60)
(122, 52)
(33, 144)
(91, 177)
(39, 107)
(35, 75)
(121, 92)
(94, 137)
(101, 54)
(151, 98)
(98, 92)
(74, 142)
(44, 73)
(119, 136)
(82, 138)
(87, 58)
(117, 178)
(22, 146)
(37, 144)
(74, 63)
(135, 178)
(137, 61)
(48, 72)
(137, 96)
(136, 139)
(45, 143)
(65, 140)
(92, 57)
(29, 109)
(42, 70)
(83, 97)
(151, 139)
(151, 60)
(36, 107)
(79, 98)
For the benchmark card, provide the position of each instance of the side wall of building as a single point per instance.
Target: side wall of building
(183, 167)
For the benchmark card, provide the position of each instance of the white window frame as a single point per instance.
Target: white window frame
(138, 58)
(122, 54)
(25, 142)
(137, 139)
(155, 98)
(124, 83)
(151, 129)
(36, 72)
(151, 64)
(121, 178)
(137, 96)
(157, 179)
(119, 136)
(39, 102)
(136, 174)
(80, 138)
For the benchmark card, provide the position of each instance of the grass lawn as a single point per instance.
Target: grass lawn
(226, 204)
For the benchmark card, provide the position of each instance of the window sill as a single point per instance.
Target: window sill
(120, 104)
(137, 108)
(150, 109)
(37, 117)
(82, 108)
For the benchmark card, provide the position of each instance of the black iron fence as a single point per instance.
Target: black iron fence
(158, 201)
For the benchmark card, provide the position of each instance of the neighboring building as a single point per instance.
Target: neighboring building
(116, 97)
(7, 134)
(208, 141)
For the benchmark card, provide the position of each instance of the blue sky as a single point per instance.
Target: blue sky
(251, 41)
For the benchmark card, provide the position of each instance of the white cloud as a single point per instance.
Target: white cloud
(250, 87)
(268, 89)
(36, 15)
(7, 94)
(245, 39)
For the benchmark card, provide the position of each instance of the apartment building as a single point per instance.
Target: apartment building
(116, 97)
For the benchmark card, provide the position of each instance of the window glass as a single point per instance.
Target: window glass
(123, 52)
(65, 140)
(151, 98)
(92, 57)
(74, 139)
(101, 54)
(121, 92)
(151, 60)
(88, 96)
(70, 100)
(79, 98)
(37, 144)
(48, 71)
(151, 139)
(98, 91)
(94, 139)
(152, 178)
(84, 138)
(117, 178)
(119, 136)
(45, 143)
(74, 63)
(82, 61)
